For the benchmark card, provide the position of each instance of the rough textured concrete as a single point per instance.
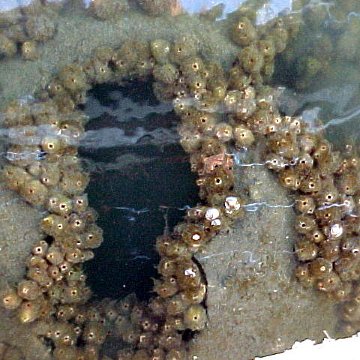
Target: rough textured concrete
(18, 232)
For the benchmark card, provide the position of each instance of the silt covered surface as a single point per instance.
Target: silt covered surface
(254, 304)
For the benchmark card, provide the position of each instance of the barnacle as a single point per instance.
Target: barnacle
(233, 207)
(73, 78)
(305, 224)
(330, 250)
(188, 275)
(94, 333)
(59, 204)
(74, 183)
(251, 59)
(193, 236)
(320, 268)
(28, 290)
(7, 46)
(182, 49)
(243, 32)
(306, 250)
(160, 50)
(54, 225)
(34, 192)
(290, 179)
(267, 48)
(29, 311)
(55, 255)
(330, 283)
(92, 237)
(166, 73)
(15, 177)
(305, 204)
(303, 275)
(195, 317)
(10, 299)
(29, 50)
(223, 131)
(167, 267)
(166, 288)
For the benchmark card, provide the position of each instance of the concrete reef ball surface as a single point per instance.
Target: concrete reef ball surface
(255, 306)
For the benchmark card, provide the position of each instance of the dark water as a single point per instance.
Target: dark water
(137, 199)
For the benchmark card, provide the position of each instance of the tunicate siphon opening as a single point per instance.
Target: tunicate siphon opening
(141, 184)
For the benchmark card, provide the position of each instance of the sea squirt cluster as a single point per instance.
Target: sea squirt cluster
(45, 170)
(327, 187)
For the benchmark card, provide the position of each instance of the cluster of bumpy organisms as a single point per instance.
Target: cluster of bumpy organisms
(23, 29)
(328, 42)
(220, 111)
(44, 169)
(327, 205)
